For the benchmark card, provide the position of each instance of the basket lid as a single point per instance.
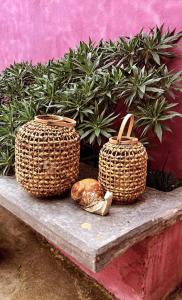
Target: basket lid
(125, 139)
(54, 120)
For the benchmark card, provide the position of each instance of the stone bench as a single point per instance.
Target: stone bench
(135, 252)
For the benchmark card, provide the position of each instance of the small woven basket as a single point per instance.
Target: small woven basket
(123, 165)
(47, 154)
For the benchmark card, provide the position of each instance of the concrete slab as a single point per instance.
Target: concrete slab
(92, 240)
(31, 269)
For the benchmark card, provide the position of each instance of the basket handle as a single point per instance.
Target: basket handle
(123, 124)
(55, 120)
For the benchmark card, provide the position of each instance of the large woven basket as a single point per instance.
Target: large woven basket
(47, 154)
(123, 165)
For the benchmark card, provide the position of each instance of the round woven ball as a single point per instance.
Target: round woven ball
(47, 154)
(123, 168)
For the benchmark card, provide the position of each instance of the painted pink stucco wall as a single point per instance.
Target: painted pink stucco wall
(42, 29)
(39, 30)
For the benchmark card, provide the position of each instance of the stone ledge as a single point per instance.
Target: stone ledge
(92, 240)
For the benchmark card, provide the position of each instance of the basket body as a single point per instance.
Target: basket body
(46, 158)
(123, 169)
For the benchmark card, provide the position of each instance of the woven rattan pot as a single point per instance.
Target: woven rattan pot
(47, 154)
(123, 165)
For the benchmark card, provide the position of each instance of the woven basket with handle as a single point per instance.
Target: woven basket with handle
(123, 165)
(47, 154)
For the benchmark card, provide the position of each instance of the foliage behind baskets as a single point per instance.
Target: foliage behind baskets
(123, 165)
(89, 83)
(47, 155)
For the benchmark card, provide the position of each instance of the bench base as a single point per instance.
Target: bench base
(136, 251)
(149, 270)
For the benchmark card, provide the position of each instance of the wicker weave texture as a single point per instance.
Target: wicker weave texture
(46, 158)
(122, 170)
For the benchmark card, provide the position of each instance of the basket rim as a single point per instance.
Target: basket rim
(125, 140)
(55, 120)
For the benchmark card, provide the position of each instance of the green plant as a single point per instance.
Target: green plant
(88, 83)
(151, 116)
(97, 126)
(162, 181)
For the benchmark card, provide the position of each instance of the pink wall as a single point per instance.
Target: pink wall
(39, 30)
